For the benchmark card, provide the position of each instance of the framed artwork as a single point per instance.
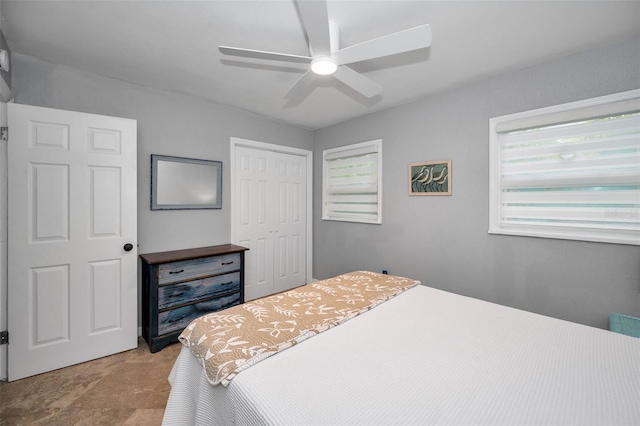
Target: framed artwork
(430, 178)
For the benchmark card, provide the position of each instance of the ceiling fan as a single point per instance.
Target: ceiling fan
(325, 56)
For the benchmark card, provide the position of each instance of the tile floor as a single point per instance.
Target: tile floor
(129, 388)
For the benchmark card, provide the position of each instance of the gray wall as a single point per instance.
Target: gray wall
(443, 241)
(168, 124)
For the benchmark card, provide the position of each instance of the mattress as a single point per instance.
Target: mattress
(427, 357)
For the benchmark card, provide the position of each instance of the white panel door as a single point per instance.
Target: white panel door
(270, 210)
(72, 210)
(254, 219)
(289, 222)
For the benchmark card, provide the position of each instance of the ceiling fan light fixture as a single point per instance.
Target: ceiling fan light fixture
(324, 66)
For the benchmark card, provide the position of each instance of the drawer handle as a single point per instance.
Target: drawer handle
(176, 272)
(228, 263)
(230, 282)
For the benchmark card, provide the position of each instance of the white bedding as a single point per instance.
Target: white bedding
(458, 360)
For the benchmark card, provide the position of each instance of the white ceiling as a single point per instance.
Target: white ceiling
(172, 45)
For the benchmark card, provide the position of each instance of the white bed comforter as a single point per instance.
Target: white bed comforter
(457, 360)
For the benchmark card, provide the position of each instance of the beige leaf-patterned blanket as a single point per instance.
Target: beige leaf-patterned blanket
(229, 341)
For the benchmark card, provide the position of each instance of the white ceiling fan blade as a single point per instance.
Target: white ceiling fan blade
(402, 41)
(357, 81)
(316, 23)
(301, 86)
(261, 54)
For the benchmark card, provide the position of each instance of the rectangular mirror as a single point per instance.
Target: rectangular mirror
(185, 183)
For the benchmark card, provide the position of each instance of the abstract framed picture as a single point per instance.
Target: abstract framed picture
(430, 178)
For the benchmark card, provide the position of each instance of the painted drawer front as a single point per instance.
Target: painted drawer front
(178, 319)
(177, 294)
(196, 268)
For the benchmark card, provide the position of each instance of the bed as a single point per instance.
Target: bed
(425, 356)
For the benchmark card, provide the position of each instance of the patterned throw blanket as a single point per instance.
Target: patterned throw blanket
(229, 341)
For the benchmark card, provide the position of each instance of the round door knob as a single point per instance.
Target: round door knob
(128, 247)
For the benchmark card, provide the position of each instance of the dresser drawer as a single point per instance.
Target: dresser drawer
(178, 319)
(186, 270)
(177, 294)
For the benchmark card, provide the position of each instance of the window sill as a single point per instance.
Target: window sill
(596, 236)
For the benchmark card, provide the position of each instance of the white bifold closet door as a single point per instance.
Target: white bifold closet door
(270, 219)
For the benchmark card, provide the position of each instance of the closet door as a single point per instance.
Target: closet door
(254, 230)
(289, 222)
(270, 219)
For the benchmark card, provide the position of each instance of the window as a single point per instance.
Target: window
(571, 171)
(352, 189)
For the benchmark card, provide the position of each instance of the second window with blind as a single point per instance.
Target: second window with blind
(571, 171)
(352, 183)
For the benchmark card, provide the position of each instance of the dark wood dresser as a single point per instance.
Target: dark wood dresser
(179, 286)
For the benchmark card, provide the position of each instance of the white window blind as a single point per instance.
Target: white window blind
(571, 171)
(352, 177)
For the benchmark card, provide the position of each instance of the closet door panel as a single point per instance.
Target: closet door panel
(290, 227)
(254, 202)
